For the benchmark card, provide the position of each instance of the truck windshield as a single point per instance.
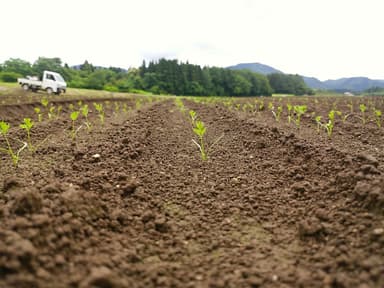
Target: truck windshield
(59, 78)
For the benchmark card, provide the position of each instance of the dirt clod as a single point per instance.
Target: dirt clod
(26, 201)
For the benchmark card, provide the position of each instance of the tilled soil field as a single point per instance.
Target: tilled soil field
(131, 204)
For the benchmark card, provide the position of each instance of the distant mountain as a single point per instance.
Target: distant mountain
(314, 83)
(353, 84)
(255, 67)
(356, 84)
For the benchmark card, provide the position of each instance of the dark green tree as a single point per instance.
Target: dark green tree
(50, 64)
(18, 66)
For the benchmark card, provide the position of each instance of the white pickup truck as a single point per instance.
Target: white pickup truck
(51, 82)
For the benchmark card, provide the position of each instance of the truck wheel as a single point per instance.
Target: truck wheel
(25, 87)
(49, 90)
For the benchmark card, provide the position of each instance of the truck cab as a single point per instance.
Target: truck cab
(53, 82)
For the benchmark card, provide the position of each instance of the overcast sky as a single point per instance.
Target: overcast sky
(327, 39)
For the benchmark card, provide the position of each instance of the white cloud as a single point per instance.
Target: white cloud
(326, 39)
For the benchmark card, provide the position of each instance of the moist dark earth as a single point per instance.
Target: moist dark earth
(131, 204)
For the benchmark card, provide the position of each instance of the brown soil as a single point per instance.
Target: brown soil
(131, 204)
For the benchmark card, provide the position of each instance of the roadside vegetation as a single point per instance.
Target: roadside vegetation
(160, 77)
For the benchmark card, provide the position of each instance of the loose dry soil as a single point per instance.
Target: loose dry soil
(131, 204)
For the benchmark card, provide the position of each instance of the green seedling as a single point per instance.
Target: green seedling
(27, 125)
(84, 111)
(261, 106)
(350, 105)
(180, 105)
(125, 108)
(15, 157)
(193, 116)
(278, 113)
(331, 123)
(299, 110)
(318, 122)
(117, 108)
(247, 107)
(138, 104)
(290, 108)
(200, 130)
(74, 115)
(378, 117)
(363, 108)
(100, 110)
(270, 106)
(343, 117)
(51, 112)
(59, 111)
(39, 114)
(44, 101)
(71, 107)
(237, 106)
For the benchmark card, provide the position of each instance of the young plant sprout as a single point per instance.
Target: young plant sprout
(125, 108)
(71, 107)
(289, 107)
(117, 107)
(74, 115)
(378, 117)
(318, 122)
(39, 114)
(44, 101)
(100, 110)
(51, 112)
(193, 116)
(331, 123)
(350, 105)
(343, 117)
(278, 113)
(58, 111)
(4, 128)
(299, 110)
(270, 106)
(200, 130)
(84, 111)
(179, 104)
(261, 106)
(27, 126)
(363, 108)
(138, 104)
(247, 107)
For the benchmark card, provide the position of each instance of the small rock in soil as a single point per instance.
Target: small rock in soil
(369, 169)
(129, 188)
(301, 187)
(310, 227)
(27, 201)
(10, 183)
(101, 277)
(161, 225)
(378, 231)
(368, 158)
(147, 217)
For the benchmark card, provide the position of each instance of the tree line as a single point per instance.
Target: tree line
(160, 77)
